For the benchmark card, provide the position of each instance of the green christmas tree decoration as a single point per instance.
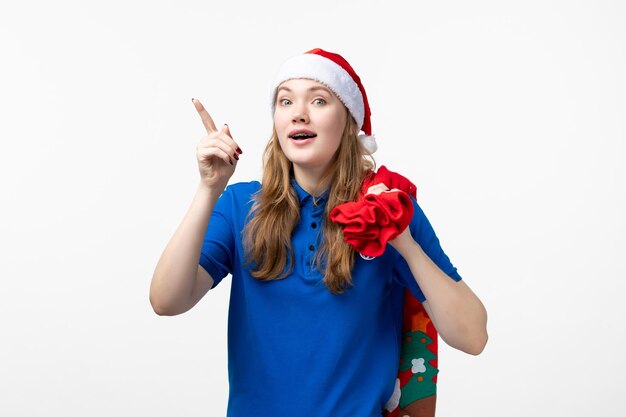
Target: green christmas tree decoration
(416, 357)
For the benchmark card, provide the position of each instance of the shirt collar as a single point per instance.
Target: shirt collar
(305, 197)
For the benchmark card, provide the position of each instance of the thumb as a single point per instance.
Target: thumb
(226, 130)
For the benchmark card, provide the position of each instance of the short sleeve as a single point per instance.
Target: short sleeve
(424, 234)
(218, 249)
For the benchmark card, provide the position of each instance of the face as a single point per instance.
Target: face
(309, 121)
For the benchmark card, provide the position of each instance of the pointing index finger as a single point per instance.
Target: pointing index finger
(207, 121)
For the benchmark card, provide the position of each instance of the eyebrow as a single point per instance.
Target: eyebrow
(315, 88)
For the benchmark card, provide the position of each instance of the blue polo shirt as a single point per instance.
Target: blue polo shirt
(294, 348)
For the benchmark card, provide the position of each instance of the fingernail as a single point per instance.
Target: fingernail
(239, 150)
(192, 99)
(230, 160)
(236, 157)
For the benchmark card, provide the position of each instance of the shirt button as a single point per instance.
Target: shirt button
(311, 248)
(313, 225)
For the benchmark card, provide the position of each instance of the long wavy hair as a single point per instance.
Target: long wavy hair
(275, 213)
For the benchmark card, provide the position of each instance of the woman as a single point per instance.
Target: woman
(314, 328)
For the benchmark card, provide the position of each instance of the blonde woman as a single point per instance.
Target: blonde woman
(314, 327)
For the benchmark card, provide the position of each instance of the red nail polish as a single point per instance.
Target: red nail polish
(230, 160)
(239, 150)
(236, 157)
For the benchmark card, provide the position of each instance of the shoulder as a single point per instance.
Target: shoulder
(419, 216)
(239, 195)
(417, 209)
(242, 190)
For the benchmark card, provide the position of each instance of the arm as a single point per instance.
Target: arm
(179, 282)
(458, 315)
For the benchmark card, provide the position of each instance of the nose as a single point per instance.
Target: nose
(300, 114)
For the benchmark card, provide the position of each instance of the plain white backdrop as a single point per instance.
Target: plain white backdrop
(508, 116)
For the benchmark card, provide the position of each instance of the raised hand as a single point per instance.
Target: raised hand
(217, 152)
(380, 188)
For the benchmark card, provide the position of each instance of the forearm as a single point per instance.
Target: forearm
(175, 274)
(458, 315)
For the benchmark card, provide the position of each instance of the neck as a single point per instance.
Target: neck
(310, 180)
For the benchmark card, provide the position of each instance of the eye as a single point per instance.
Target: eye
(284, 102)
(319, 101)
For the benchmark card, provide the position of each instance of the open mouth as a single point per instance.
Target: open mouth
(301, 135)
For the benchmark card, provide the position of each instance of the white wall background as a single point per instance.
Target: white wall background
(509, 117)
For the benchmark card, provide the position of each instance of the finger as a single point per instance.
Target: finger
(377, 189)
(228, 138)
(207, 121)
(220, 142)
(226, 129)
(207, 153)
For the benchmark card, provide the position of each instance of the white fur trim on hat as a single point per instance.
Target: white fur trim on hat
(325, 71)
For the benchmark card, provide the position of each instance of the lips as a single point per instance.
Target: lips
(301, 134)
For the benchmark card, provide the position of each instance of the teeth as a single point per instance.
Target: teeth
(302, 135)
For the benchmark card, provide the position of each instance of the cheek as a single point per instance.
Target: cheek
(338, 125)
(280, 120)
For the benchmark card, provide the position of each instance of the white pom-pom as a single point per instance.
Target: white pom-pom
(368, 142)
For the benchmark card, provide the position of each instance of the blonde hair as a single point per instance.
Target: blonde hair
(276, 211)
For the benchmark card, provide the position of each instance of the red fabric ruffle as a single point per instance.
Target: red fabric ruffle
(373, 220)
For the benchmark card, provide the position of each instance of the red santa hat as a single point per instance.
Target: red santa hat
(336, 73)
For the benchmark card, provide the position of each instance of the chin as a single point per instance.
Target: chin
(305, 163)
(303, 158)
